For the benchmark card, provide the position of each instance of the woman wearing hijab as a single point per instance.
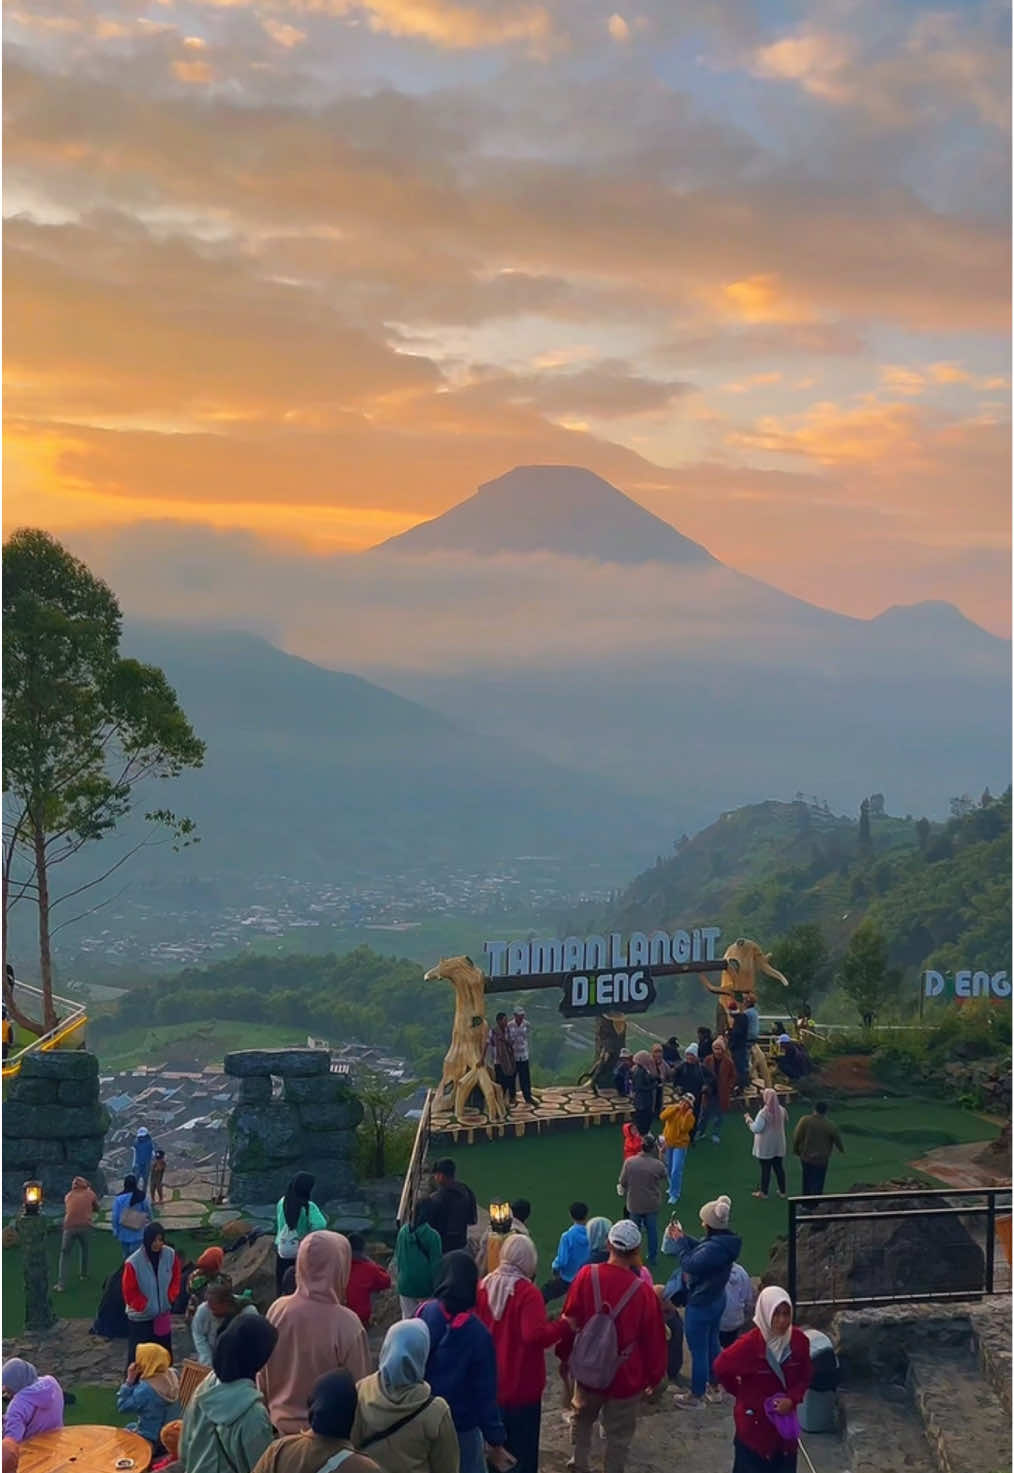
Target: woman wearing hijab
(152, 1391)
(514, 1312)
(226, 1426)
(417, 1255)
(295, 1217)
(317, 1332)
(327, 1446)
(462, 1362)
(768, 1371)
(598, 1239)
(130, 1216)
(399, 1422)
(151, 1281)
(768, 1128)
(718, 1097)
(643, 1083)
(34, 1402)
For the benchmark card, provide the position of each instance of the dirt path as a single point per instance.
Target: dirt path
(958, 1166)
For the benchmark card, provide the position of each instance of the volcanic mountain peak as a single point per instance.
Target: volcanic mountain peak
(553, 508)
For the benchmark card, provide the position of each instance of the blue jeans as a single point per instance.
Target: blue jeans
(472, 1449)
(677, 1160)
(701, 1327)
(648, 1223)
(711, 1115)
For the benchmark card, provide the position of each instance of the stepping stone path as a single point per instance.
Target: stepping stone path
(352, 1224)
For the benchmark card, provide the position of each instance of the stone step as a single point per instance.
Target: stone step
(991, 1338)
(966, 1427)
(882, 1432)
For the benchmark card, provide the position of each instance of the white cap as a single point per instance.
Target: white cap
(625, 1235)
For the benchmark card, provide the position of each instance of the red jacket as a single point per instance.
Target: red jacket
(744, 1370)
(639, 1325)
(365, 1278)
(520, 1338)
(132, 1296)
(631, 1141)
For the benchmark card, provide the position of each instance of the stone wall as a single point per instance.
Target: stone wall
(309, 1127)
(54, 1127)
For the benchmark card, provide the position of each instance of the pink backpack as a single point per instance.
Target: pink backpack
(596, 1357)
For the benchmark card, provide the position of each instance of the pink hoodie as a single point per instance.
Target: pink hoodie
(316, 1332)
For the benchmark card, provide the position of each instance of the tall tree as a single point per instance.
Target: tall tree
(923, 829)
(83, 727)
(802, 955)
(865, 836)
(864, 975)
(380, 1096)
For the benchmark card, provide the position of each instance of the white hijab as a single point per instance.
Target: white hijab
(769, 1300)
(518, 1260)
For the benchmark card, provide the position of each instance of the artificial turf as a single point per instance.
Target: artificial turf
(882, 1137)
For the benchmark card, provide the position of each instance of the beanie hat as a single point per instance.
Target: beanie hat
(625, 1235)
(716, 1214)
(784, 1038)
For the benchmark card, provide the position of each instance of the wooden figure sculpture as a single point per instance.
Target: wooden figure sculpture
(746, 961)
(610, 1037)
(465, 1061)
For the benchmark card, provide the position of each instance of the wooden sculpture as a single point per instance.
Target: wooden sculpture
(746, 961)
(465, 1061)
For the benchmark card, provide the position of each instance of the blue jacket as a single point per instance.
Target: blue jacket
(572, 1254)
(132, 1237)
(144, 1150)
(706, 1264)
(153, 1411)
(462, 1369)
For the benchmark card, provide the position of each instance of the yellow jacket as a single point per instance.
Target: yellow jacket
(677, 1123)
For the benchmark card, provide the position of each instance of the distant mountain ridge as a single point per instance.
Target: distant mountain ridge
(562, 509)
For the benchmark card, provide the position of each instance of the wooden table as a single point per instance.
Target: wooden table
(84, 1450)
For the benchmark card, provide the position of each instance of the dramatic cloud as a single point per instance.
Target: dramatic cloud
(316, 268)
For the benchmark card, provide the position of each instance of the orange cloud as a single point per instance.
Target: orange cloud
(762, 298)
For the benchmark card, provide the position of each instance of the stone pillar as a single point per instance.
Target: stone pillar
(39, 1314)
(54, 1127)
(311, 1127)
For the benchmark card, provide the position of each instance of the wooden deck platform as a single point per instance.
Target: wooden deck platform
(558, 1108)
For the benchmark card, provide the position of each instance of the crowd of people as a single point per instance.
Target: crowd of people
(460, 1379)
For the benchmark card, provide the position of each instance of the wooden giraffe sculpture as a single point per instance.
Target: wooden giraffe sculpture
(746, 961)
(465, 1060)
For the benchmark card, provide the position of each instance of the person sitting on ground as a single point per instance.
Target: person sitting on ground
(571, 1255)
(642, 1182)
(462, 1363)
(170, 1463)
(792, 1060)
(366, 1278)
(640, 1343)
(317, 1332)
(453, 1208)
(514, 1313)
(417, 1255)
(738, 1309)
(214, 1315)
(598, 1239)
(152, 1391)
(79, 1208)
(677, 1130)
(403, 1426)
(622, 1074)
(328, 1445)
(768, 1371)
(226, 1426)
(295, 1216)
(34, 1402)
(632, 1140)
(768, 1130)
(130, 1216)
(705, 1265)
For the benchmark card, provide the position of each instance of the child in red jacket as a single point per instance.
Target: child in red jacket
(366, 1278)
(768, 1371)
(632, 1141)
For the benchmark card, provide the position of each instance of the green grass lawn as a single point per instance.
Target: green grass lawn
(881, 1138)
(79, 1300)
(95, 1406)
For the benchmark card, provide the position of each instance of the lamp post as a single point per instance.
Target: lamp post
(32, 1233)
(500, 1217)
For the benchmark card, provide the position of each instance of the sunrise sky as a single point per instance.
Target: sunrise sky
(314, 269)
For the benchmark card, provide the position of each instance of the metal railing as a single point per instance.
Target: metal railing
(416, 1163)
(962, 1255)
(68, 1032)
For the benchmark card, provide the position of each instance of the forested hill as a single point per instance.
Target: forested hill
(940, 892)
